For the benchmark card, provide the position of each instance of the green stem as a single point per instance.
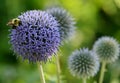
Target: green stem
(95, 82)
(41, 73)
(84, 80)
(102, 72)
(58, 69)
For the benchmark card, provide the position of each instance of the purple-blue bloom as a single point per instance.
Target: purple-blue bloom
(37, 37)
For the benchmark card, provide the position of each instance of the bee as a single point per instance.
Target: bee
(14, 23)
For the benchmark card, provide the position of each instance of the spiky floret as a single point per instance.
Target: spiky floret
(119, 50)
(83, 63)
(107, 48)
(66, 21)
(37, 37)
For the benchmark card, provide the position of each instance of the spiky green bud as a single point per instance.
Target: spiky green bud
(107, 48)
(83, 63)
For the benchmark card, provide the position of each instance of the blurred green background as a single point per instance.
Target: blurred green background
(94, 18)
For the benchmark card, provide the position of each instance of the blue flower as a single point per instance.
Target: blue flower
(37, 37)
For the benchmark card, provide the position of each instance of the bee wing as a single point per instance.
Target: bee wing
(10, 23)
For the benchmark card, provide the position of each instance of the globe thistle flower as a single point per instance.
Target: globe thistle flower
(36, 37)
(83, 63)
(65, 20)
(107, 48)
(119, 50)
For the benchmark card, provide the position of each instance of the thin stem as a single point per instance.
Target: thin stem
(84, 80)
(58, 69)
(102, 72)
(95, 82)
(41, 73)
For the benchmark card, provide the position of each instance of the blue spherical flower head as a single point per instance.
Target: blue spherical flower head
(83, 63)
(37, 36)
(65, 20)
(107, 48)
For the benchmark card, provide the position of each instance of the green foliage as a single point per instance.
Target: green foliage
(94, 18)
